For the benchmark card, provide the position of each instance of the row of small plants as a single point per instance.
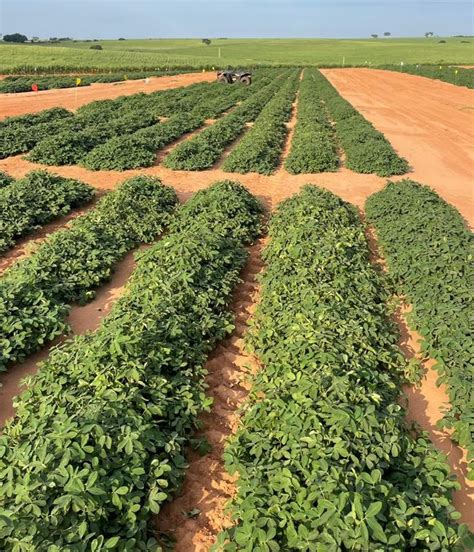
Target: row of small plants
(202, 151)
(452, 74)
(20, 133)
(367, 150)
(101, 121)
(313, 147)
(324, 458)
(37, 292)
(260, 149)
(59, 137)
(112, 412)
(140, 148)
(39, 197)
(63, 131)
(428, 250)
(14, 84)
(57, 133)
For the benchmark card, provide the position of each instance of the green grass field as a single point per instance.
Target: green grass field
(159, 53)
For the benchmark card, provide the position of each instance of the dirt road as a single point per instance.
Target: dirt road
(72, 98)
(429, 122)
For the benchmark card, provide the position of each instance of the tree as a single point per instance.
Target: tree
(429, 33)
(374, 35)
(121, 38)
(35, 39)
(206, 41)
(387, 34)
(15, 37)
(95, 47)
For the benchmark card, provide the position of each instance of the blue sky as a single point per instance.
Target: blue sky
(234, 18)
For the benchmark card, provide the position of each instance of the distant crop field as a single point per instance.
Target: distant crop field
(156, 54)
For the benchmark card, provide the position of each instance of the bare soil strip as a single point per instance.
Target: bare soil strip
(429, 122)
(195, 517)
(81, 319)
(72, 98)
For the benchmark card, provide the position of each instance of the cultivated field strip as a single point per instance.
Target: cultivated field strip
(38, 198)
(197, 513)
(313, 147)
(59, 137)
(324, 458)
(37, 291)
(260, 149)
(24, 83)
(428, 250)
(111, 412)
(140, 148)
(206, 148)
(366, 149)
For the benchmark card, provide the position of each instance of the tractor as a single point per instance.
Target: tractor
(230, 76)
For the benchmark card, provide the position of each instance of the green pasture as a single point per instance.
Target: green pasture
(161, 53)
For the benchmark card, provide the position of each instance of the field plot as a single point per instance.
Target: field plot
(188, 382)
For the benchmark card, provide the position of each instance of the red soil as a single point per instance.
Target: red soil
(72, 98)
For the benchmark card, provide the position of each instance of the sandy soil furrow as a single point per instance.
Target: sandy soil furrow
(290, 125)
(73, 98)
(194, 518)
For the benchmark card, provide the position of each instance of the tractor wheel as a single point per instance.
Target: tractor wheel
(246, 80)
(222, 79)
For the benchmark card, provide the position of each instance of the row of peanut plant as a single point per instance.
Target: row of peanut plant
(24, 83)
(324, 458)
(260, 149)
(202, 151)
(60, 137)
(429, 253)
(111, 413)
(106, 121)
(37, 291)
(34, 200)
(366, 149)
(313, 147)
(140, 148)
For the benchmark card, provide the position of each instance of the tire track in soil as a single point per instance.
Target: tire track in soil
(207, 486)
(426, 401)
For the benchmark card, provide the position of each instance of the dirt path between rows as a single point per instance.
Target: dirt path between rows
(72, 98)
(197, 514)
(429, 122)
